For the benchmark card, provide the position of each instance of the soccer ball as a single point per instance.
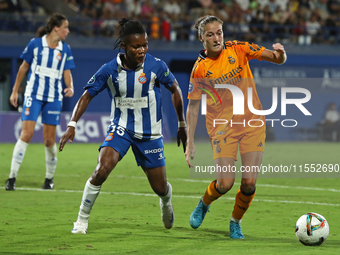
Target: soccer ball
(311, 229)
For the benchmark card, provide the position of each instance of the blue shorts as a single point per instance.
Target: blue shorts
(148, 153)
(50, 111)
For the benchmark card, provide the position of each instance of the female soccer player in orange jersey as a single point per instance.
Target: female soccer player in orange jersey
(227, 63)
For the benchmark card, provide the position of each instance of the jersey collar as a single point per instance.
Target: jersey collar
(203, 53)
(44, 43)
(120, 64)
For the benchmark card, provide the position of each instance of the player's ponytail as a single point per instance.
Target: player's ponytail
(56, 20)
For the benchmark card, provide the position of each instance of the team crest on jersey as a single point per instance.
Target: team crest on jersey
(59, 56)
(27, 112)
(109, 137)
(142, 79)
(231, 60)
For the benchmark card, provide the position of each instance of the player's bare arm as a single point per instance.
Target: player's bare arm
(20, 76)
(277, 56)
(69, 91)
(78, 111)
(192, 115)
(177, 101)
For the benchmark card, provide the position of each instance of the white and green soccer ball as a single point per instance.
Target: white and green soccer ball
(312, 229)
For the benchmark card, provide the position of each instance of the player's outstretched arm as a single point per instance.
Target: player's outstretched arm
(192, 115)
(78, 111)
(177, 101)
(278, 56)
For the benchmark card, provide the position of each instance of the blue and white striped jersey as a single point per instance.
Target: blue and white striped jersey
(135, 94)
(46, 69)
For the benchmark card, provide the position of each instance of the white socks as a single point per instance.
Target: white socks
(17, 158)
(19, 153)
(167, 197)
(51, 160)
(235, 220)
(90, 195)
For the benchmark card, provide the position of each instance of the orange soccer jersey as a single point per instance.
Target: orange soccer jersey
(231, 67)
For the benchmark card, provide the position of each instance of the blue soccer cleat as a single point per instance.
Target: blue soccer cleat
(235, 230)
(197, 216)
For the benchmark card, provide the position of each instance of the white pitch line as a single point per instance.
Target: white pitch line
(175, 196)
(258, 185)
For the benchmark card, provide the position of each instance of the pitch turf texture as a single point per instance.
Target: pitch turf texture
(126, 217)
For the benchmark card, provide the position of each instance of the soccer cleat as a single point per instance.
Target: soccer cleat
(235, 230)
(197, 216)
(48, 184)
(167, 212)
(10, 184)
(79, 228)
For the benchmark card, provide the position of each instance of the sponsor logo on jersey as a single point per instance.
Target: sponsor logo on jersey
(92, 80)
(142, 79)
(232, 77)
(191, 87)
(53, 112)
(166, 73)
(208, 74)
(59, 57)
(158, 150)
(69, 58)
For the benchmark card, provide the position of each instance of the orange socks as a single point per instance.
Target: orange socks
(242, 203)
(211, 194)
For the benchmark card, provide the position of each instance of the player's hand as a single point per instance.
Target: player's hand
(182, 136)
(189, 153)
(279, 48)
(69, 134)
(14, 99)
(69, 92)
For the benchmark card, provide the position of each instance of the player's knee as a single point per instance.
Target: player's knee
(49, 142)
(101, 173)
(160, 190)
(224, 185)
(248, 185)
(26, 135)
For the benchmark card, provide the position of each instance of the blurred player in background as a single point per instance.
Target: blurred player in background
(48, 60)
(227, 63)
(133, 82)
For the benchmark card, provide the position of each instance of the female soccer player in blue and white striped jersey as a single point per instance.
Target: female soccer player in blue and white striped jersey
(48, 60)
(132, 81)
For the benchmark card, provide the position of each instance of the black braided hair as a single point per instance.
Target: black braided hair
(128, 27)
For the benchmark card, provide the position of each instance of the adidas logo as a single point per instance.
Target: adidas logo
(260, 144)
(208, 74)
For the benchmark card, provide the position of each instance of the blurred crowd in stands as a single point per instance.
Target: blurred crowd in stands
(287, 21)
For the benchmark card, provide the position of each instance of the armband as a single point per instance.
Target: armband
(182, 124)
(72, 124)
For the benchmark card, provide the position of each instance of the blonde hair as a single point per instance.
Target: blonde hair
(203, 21)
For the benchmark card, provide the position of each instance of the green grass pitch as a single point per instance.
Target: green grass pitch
(126, 216)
